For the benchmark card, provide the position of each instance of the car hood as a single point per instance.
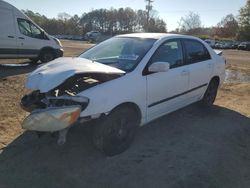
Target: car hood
(54, 73)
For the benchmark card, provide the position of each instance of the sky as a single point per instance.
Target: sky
(211, 11)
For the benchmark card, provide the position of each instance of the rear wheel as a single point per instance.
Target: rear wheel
(114, 133)
(210, 94)
(47, 55)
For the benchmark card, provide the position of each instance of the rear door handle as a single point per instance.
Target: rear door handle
(11, 37)
(21, 38)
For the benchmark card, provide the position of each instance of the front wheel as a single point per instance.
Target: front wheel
(115, 132)
(47, 56)
(210, 94)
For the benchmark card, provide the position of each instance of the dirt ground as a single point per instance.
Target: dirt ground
(190, 148)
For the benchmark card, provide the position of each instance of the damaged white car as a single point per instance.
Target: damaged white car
(124, 82)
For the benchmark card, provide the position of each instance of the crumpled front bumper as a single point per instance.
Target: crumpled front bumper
(52, 119)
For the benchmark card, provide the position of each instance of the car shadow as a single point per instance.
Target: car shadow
(13, 69)
(192, 147)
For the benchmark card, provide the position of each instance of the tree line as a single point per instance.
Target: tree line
(109, 21)
(230, 27)
(126, 20)
(191, 24)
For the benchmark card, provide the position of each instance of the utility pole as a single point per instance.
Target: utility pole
(149, 7)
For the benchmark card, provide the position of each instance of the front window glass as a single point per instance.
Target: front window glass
(36, 32)
(29, 29)
(170, 52)
(121, 52)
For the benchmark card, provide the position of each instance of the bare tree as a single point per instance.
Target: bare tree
(244, 22)
(227, 27)
(63, 16)
(189, 23)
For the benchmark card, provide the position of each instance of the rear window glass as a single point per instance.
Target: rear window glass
(195, 52)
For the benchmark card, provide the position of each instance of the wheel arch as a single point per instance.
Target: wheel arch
(215, 78)
(132, 106)
(46, 48)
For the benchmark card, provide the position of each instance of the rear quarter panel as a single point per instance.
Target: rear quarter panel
(219, 65)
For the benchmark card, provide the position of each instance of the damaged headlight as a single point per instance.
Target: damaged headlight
(49, 113)
(52, 119)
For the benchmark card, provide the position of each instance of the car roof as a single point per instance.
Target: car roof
(153, 35)
(6, 5)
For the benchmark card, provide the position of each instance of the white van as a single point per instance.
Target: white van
(20, 37)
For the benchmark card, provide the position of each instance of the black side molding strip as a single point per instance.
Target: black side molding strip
(175, 96)
(15, 51)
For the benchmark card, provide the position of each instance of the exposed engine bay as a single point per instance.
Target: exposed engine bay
(66, 93)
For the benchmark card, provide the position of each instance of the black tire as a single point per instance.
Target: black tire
(210, 94)
(114, 133)
(47, 55)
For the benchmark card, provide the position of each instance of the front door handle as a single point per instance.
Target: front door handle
(11, 37)
(21, 38)
(184, 73)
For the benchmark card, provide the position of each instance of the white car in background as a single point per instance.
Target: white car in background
(123, 83)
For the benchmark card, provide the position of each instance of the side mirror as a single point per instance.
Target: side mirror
(159, 67)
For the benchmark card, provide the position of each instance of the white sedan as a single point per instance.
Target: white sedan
(123, 83)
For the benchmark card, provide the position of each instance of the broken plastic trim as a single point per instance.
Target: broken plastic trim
(67, 101)
(73, 98)
(52, 119)
(36, 100)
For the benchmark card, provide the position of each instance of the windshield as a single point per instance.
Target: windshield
(121, 52)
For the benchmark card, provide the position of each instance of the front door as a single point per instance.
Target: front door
(30, 38)
(166, 90)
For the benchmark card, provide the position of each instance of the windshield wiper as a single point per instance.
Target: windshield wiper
(104, 58)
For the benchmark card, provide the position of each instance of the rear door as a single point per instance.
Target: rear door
(8, 43)
(200, 66)
(166, 90)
